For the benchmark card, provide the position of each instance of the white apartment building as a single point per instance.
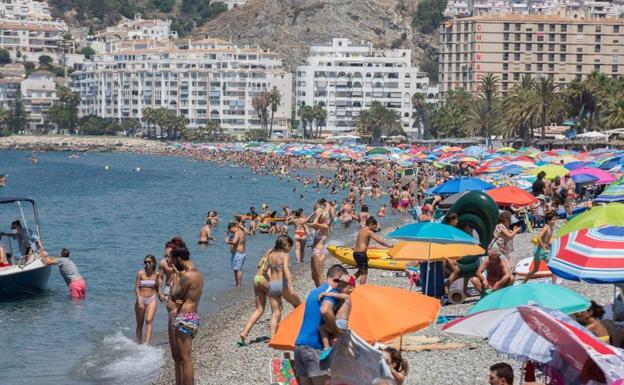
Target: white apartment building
(233, 3)
(24, 10)
(346, 78)
(592, 9)
(132, 29)
(209, 80)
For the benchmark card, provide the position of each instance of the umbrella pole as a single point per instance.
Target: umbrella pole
(401, 343)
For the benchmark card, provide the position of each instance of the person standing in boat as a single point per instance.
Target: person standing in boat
(76, 284)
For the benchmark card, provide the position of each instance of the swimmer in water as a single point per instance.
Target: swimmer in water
(205, 234)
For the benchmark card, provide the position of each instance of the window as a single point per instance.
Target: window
(506, 46)
(516, 75)
(516, 46)
(597, 67)
(551, 57)
(527, 67)
(614, 68)
(516, 56)
(551, 47)
(529, 37)
(579, 68)
(579, 28)
(562, 47)
(540, 57)
(529, 47)
(562, 57)
(551, 28)
(506, 37)
(579, 58)
(505, 66)
(598, 29)
(551, 67)
(505, 76)
(505, 56)
(540, 67)
(540, 27)
(597, 48)
(506, 27)
(616, 29)
(551, 37)
(563, 38)
(518, 26)
(517, 37)
(598, 38)
(564, 28)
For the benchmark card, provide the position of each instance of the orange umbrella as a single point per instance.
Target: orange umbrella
(506, 196)
(378, 314)
(425, 251)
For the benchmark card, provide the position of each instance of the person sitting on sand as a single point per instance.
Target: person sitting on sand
(397, 364)
(542, 250)
(346, 284)
(498, 271)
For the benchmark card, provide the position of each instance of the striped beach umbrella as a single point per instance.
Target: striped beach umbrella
(613, 193)
(592, 255)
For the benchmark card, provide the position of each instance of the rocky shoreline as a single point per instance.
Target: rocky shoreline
(219, 361)
(81, 144)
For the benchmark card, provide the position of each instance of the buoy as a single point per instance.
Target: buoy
(106, 167)
(137, 169)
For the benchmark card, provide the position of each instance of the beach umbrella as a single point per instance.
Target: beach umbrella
(421, 251)
(432, 233)
(378, 314)
(584, 178)
(506, 150)
(475, 151)
(552, 171)
(603, 176)
(451, 200)
(378, 151)
(612, 162)
(592, 255)
(611, 214)
(456, 185)
(613, 193)
(551, 296)
(576, 164)
(476, 324)
(510, 195)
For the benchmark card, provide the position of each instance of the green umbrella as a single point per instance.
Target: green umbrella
(552, 171)
(548, 295)
(611, 214)
(378, 151)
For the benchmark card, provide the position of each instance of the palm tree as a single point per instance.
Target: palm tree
(419, 104)
(545, 102)
(306, 114)
(598, 85)
(479, 118)
(149, 117)
(320, 117)
(274, 98)
(614, 111)
(517, 110)
(489, 108)
(260, 104)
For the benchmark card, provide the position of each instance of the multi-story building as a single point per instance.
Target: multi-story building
(24, 10)
(596, 9)
(233, 3)
(345, 79)
(206, 80)
(509, 46)
(132, 29)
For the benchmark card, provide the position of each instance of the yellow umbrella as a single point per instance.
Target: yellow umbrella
(426, 251)
(552, 171)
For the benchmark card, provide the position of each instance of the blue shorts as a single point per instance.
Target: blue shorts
(238, 259)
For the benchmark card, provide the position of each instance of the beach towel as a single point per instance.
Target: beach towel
(355, 362)
(281, 372)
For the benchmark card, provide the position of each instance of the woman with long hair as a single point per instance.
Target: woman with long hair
(398, 366)
(261, 290)
(147, 289)
(281, 284)
(301, 235)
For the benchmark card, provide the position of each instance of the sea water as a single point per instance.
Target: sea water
(111, 210)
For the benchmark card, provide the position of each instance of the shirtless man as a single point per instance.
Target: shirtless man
(362, 241)
(205, 234)
(237, 248)
(321, 225)
(186, 292)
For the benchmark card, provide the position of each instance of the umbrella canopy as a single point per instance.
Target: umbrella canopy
(584, 178)
(378, 314)
(432, 232)
(613, 193)
(454, 186)
(592, 135)
(551, 296)
(451, 200)
(576, 164)
(603, 176)
(612, 162)
(378, 151)
(507, 196)
(418, 251)
(611, 214)
(590, 255)
(552, 171)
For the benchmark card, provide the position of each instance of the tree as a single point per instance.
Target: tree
(419, 104)
(260, 104)
(428, 15)
(306, 113)
(4, 118)
(130, 126)
(545, 101)
(485, 114)
(45, 61)
(449, 121)
(320, 118)
(517, 111)
(378, 121)
(255, 135)
(18, 117)
(165, 6)
(5, 56)
(65, 112)
(274, 99)
(211, 132)
(88, 52)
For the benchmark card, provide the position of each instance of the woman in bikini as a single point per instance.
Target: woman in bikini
(261, 290)
(321, 227)
(146, 286)
(281, 284)
(301, 235)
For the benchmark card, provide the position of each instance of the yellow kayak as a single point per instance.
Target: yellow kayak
(377, 258)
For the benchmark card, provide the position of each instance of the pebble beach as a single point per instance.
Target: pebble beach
(218, 359)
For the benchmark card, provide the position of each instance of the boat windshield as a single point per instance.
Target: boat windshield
(19, 232)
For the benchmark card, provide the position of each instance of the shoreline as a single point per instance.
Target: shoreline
(64, 143)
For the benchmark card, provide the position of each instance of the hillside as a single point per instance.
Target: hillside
(288, 27)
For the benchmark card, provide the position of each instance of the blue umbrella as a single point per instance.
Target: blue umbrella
(613, 193)
(610, 163)
(454, 186)
(433, 233)
(577, 164)
(584, 178)
(474, 151)
(512, 169)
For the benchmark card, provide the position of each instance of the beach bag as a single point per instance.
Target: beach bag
(281, 372)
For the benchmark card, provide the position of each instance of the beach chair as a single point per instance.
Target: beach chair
(281, 371)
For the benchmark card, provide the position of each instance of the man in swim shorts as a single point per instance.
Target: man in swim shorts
(237, 246)
(76, 284)
(362, 241)
(188, 283)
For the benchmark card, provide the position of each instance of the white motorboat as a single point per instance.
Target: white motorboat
(25, 272)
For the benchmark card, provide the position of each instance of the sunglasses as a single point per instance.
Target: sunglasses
(147, 262)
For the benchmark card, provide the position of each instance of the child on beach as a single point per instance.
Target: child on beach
(542, 249)
(346, 284)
